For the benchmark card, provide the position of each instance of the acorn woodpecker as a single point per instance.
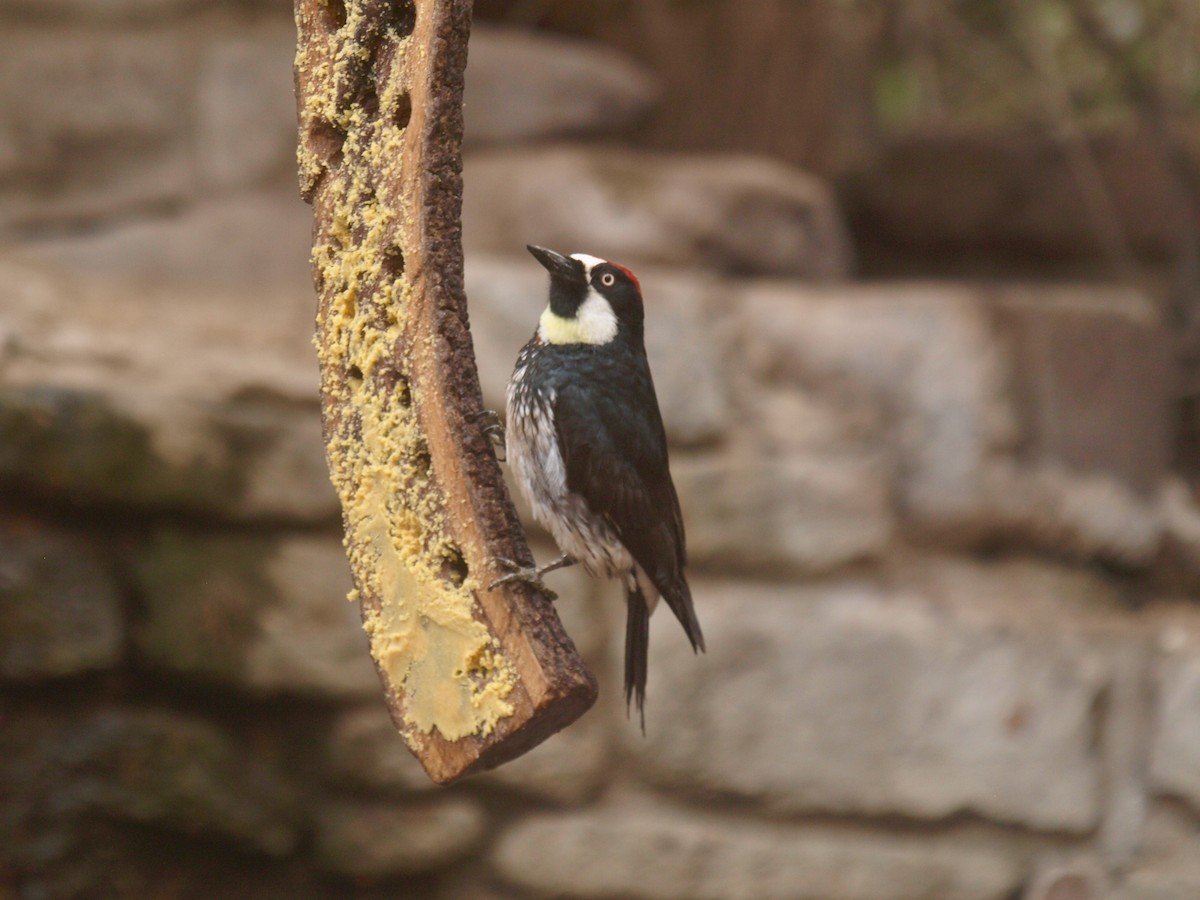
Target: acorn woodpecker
(585, 440)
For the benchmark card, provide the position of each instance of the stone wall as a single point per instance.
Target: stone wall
(943, 565)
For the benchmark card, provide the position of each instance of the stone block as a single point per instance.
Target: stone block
(569, 769)
(763, 515)
(825, 419)
(922, 699)
(688, 349)
(741, 214)
(978, 457)
(242, 460)
(95, 123)
(1175, 753)
(1080, 878)
(795, 81)
(525, 86)
(246, 115)
(665, 852)
(151, 767)
(368, 840)
(250, 238)
(95, 10)
(1072, 514)
(505, 296)
(366, 751)
(268, 616)
(1093, 371)
(964, 193)
(928, 352)
(1178, 511)
(60, 606)
(163, 396)
(1054, 598)
(1175, 879)
(1181, 526)
(1025, 590)
(105, 857)
(1168, 868)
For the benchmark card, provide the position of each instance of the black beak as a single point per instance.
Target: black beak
(557, 265)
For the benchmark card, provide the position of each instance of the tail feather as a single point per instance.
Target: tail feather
(637, 648)
(680, 601)
(672, 587)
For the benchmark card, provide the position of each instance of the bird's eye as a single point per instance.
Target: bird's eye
(608, 279)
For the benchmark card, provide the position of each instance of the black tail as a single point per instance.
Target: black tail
(680, 601)
(637, 648)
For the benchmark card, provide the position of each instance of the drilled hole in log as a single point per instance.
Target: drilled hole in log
(333, 14)
(403, 392)
(393, 262)
(403, 110)
(454, 567)
(355, 374)
(368, 98)
(402, 18)
(326, 141)
(422, 462)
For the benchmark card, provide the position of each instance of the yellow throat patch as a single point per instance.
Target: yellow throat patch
(594, 323)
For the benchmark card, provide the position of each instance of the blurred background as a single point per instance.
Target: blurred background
(922, 281)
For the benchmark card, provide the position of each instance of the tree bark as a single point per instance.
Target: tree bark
(473, 677)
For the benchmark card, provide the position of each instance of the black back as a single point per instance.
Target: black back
(614, 449)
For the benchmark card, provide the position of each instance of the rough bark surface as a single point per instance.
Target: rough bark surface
(473, 677)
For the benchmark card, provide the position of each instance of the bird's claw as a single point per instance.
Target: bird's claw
(494, 429)
(530, 575)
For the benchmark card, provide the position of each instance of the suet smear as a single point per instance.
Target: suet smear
(425, 633)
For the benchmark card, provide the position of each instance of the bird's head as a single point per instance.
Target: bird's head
(592, 300)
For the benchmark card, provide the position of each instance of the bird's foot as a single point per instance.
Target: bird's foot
(530, 575)
(493, 428)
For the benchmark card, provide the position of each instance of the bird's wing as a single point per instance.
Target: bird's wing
(614, 451)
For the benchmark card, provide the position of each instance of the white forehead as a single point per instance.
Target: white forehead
(589, 262)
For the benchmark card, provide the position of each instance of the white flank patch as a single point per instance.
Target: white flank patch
(594, 323)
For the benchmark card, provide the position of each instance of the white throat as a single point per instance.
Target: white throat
(594, 323)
